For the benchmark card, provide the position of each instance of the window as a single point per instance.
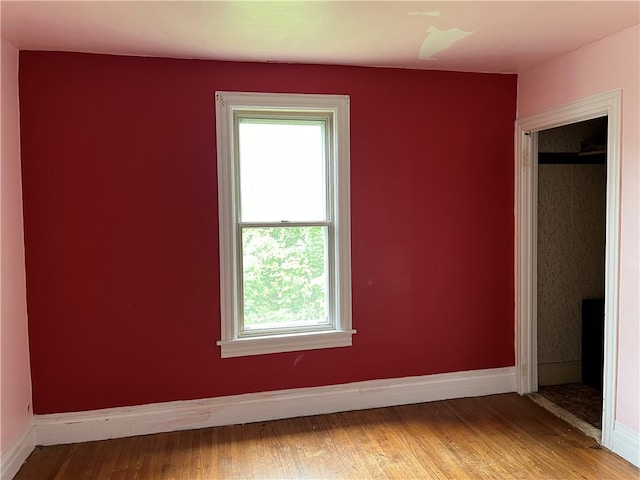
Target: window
(283, 188)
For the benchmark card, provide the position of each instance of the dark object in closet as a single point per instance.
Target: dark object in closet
(593, 342)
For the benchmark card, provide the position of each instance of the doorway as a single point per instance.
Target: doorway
(607, 105)
(571, 206)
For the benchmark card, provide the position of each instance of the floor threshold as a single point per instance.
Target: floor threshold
(567, 416)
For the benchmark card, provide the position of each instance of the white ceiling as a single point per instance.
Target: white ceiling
(502, 36)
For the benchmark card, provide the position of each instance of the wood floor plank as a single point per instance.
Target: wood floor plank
(495, 437)
(40, 459)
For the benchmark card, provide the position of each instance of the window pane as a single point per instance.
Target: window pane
(281, 170)
(284, 277)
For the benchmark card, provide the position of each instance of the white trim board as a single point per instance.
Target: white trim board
(120, 422)
(16, 453)
(626, 443)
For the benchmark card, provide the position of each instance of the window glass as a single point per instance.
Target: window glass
(284, 277)
(281, 170)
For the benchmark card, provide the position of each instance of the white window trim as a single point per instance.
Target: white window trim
(232, 345)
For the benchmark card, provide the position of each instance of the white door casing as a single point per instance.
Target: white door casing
(526, 192)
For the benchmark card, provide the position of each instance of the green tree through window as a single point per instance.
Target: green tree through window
(284, 276)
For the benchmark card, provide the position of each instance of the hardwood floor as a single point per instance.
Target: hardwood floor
(499, 436)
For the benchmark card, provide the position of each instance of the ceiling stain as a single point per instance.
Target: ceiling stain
(438, 41)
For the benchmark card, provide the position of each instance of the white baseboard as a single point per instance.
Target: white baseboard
(16, 453)
(63, 428)
(626, 443)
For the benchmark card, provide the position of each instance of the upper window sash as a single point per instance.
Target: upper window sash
(285, 175)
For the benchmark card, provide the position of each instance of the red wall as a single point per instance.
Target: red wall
(120, 209)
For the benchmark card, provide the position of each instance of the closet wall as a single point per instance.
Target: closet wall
(571, 242)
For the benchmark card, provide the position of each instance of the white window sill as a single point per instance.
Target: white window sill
(285, 343)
